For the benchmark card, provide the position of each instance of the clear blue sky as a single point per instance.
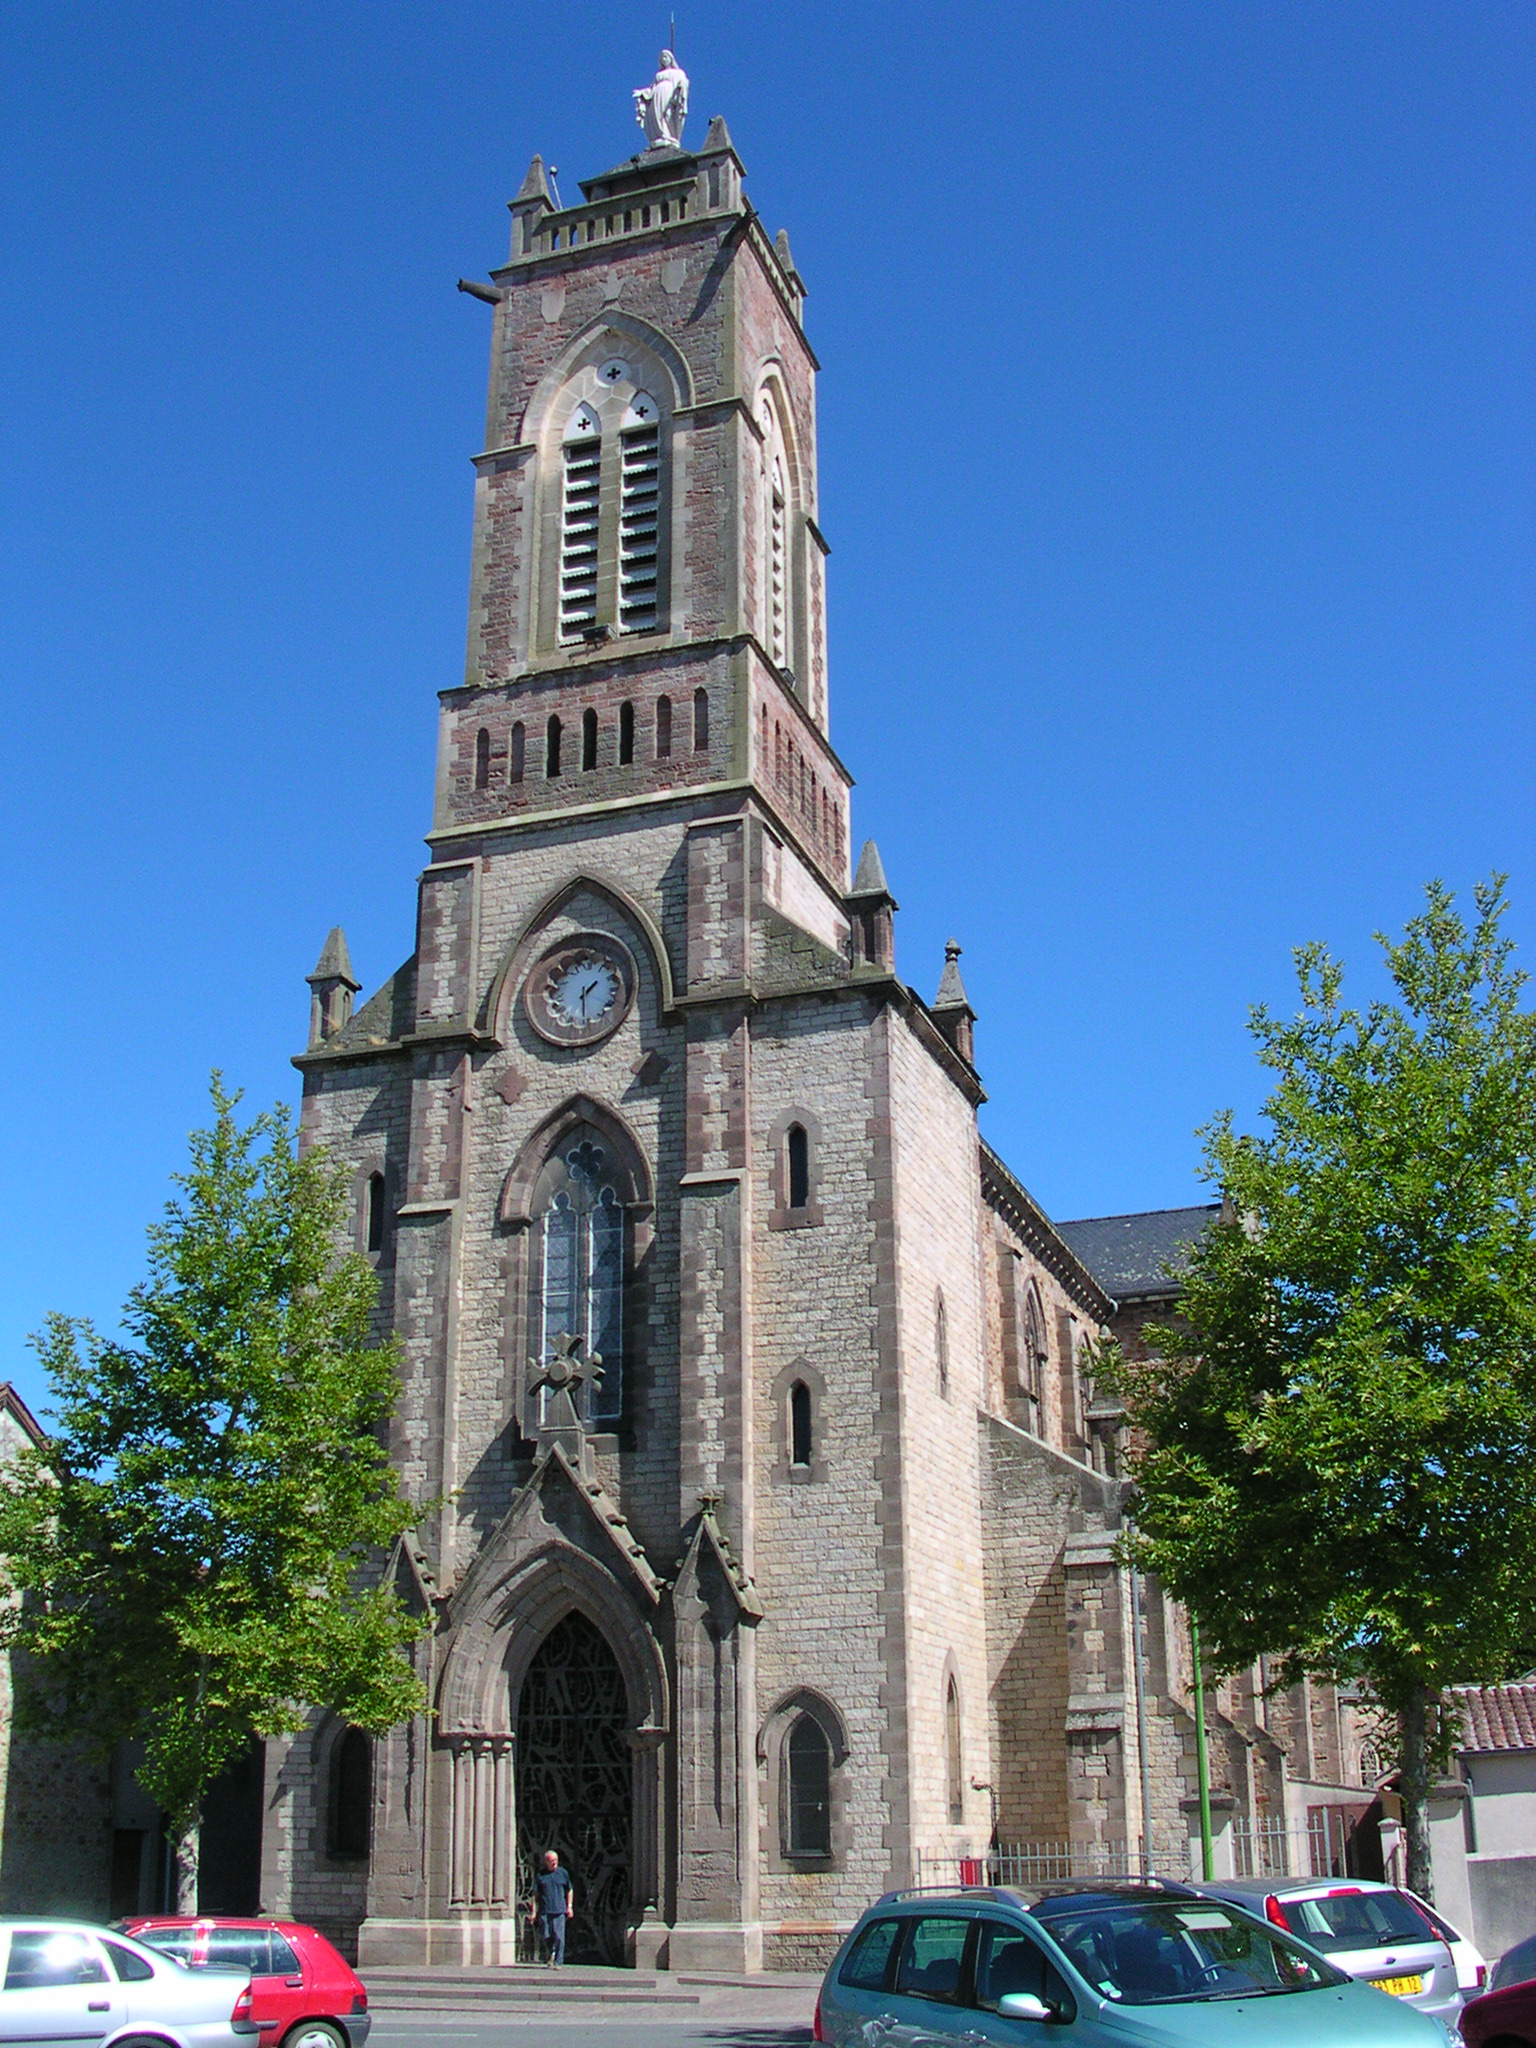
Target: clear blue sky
(1177, 439)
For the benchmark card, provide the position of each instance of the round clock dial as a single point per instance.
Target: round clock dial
(580, 991)
(583, 992)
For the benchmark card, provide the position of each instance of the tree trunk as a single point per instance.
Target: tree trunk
(1414, 1780)
(188, 1842)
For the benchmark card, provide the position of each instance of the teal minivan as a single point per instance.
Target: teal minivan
(1101, 1963)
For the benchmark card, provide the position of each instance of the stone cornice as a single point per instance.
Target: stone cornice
(1019, 1208)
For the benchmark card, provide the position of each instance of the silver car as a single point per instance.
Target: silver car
(1371, 1931)
(78, 1986)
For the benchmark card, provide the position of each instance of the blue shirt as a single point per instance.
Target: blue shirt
(554, 1888)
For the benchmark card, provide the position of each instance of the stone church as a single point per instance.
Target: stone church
(777, 1561)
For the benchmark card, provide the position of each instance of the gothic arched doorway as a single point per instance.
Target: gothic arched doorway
(575, 1782)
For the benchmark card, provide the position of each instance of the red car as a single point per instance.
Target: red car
(1507, 2016)
(303, 1994)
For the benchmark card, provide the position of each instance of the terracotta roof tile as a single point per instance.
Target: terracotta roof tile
(1497, 1716)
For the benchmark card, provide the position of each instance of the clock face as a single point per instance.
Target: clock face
(580, 991)
(583, 992)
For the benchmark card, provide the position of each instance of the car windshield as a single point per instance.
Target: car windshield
(1347, 1919)
(1175, 1951)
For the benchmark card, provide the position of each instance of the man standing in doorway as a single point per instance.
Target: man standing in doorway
(552, 1906)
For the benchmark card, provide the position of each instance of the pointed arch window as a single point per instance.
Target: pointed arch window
(808, 1757)
(516, 750)
(700, 720)
(588, 741)
(663, 727)
(640, 515)
(626, 733)
(580, 1224)
(375, 1212)
(797, 1147)
(941, 1343)
(582, 457)
(482, 758)
(552, 748)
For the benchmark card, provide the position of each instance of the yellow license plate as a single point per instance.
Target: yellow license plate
(1400, 1987)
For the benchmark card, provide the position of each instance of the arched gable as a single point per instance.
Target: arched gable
(504, 983)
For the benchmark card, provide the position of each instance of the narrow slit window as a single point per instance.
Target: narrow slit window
(663, 727)
(376, 1212)
(941, 1344)
(798, 1149)
(626, 734)
(640, 516)
(516, 750)
(588, 741)
(800, 1424)
(552, 748)
(583, 456)
(482, 758)
(700, 721)
(954, 1768)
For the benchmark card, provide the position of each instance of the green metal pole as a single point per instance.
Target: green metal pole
(1202, 1756)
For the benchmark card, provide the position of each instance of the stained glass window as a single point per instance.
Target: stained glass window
(583, 1289)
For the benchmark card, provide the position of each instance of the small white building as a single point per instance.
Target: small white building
(1493, 1835)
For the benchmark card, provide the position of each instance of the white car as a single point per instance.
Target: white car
(66, 1981)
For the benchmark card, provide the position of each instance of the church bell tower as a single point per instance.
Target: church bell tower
(647, 608)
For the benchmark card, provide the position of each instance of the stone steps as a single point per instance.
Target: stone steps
(440, 1987)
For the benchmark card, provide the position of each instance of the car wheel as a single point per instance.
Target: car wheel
(314, 2034)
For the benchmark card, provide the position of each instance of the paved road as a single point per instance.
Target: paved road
(422, 2030)
(725, 2017)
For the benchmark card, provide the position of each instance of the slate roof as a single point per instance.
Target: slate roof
(1129, 1255)
(1497, 1716)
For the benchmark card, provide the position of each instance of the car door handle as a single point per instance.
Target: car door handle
(294, 1983)
(99, 2005)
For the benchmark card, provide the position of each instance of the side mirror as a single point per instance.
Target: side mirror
(1023, 2005)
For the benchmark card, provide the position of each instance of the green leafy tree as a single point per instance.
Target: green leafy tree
(195, 1554)
(1339, 1451)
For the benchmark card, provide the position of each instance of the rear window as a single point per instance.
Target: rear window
(1349, 1920)
(869, 1960)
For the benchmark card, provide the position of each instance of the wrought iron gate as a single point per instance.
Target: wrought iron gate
(575, 1783)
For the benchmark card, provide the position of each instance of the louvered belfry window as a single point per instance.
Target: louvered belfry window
(639, 515)
(778, 634)
(583, 454)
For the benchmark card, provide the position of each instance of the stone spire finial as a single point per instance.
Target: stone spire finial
(872, 914)
(951, 995)
(535, 185)
(718, 136)
(332, 987)
(870, 879)
(951, 1010)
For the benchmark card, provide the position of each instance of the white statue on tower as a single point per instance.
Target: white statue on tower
(661, 108)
